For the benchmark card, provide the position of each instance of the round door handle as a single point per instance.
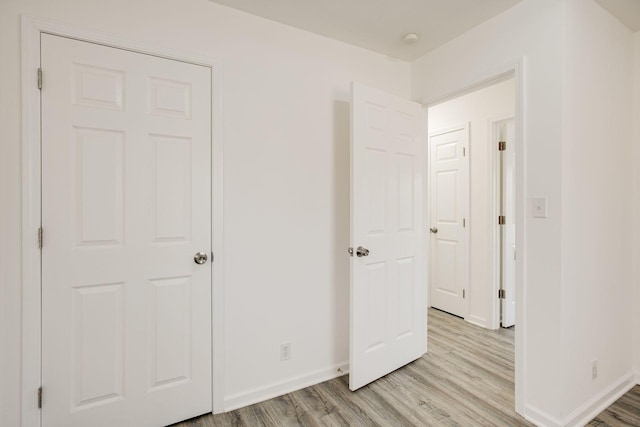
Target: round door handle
(434, 230)
(200, 258)
(360, 251)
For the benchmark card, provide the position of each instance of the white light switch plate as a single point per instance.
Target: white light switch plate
(539, 207)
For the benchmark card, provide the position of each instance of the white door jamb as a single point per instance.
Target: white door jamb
(494, 241)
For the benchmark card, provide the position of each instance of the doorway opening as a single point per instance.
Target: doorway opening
(472, 204)
(472, 207)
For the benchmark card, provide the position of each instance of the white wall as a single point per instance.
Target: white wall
(597, 214)
(636, 193)
(286, 177)
(478, 108)
(532, 29)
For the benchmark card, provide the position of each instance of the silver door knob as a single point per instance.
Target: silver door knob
(200, 258)
(434, 230)
(360, 251)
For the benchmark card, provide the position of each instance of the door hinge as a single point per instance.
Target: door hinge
(502, 145)
(464, 222)
(40, 233)
(464, 151)
(501, 294)
(39, 78)
(464, 294)
(211, 256)
(502, 220)
(40, 397)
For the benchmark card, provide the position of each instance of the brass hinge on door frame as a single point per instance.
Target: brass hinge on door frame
(40, 237)
(464, 294)
(502, 145)
(39, 78)
(501, 294)
(502, 220)
(40, 398)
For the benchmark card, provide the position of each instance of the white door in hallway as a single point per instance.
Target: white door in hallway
(126, 204)
(449, 207)
(508, 230)
(388, 287)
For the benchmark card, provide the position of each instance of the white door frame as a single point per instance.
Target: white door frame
(514, 69)
(494, 241)
(32, 28)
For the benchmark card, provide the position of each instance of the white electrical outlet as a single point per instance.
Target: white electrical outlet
(285, 351)
(594, 369)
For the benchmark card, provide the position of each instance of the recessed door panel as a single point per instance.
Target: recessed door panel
(445, 266)
(405, 293)
(376, 307)
(171, 342)
(99, 176)
(376, 190)
(98, 87)
(170, 98)
(171, 186)
(446, 197)
(377, 116)
(447, 151)
(98, 344)
(406, 191)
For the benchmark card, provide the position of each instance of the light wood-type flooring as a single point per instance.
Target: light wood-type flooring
(624, 412)
(465, 379)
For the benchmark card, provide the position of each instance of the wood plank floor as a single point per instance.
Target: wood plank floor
(624, 412)
(465, 379)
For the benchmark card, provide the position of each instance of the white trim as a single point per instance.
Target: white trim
(494, 211)
(478, 321)
(514, 68)
(283, 387)
(31, 196)
(489, 78)
(540, 418)
(518, 69)
(594, 406)
(31, 221)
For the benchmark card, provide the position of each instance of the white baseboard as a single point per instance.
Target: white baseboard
(585, 413)
(601, 401)
(475, 320)
(283, 387)
(540, 418)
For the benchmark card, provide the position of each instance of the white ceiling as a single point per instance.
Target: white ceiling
(380, 25)
(627, 11)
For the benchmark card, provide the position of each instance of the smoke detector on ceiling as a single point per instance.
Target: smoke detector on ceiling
(410, 38)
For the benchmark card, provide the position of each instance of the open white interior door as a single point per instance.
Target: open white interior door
(388, 287)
